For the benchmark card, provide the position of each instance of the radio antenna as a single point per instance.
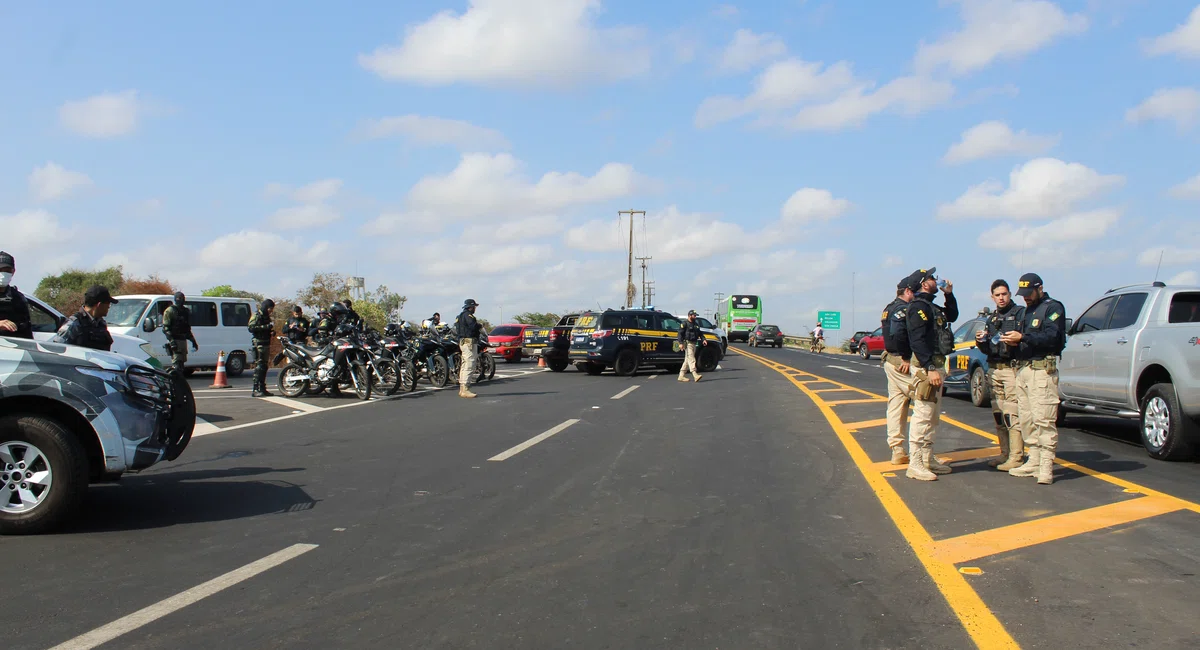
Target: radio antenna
(1160, 258)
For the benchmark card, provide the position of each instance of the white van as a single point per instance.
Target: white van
(47, 321)
(219, 324)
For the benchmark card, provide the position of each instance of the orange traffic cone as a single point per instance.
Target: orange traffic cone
(219, 381)
(541, 361)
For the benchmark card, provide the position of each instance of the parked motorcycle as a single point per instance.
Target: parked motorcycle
(391, 346)
(386, 373)
(428, 357)
(486, 366)
(342, 361)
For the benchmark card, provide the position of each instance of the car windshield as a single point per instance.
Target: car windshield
(505, 330)
(705, 323)
(126, 313)
(769, 329)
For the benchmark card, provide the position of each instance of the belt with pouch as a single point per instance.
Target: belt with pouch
(1003, 363)
(894, 359)
(1048, 364)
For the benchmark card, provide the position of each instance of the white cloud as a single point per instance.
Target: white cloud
(523, 42)
(778, 273)
(998, 29)
(1042, 188)
(1069, 256)
(672, 235)
(149, 206)
(1179, 105)
(748, 50)
(907, 95)
(783, 85)
(507, 231)
(395, 222)
(486, 185)
(993, 139)
(1185, 278)
(483, 259)
(1171, 256)
(102, 116)
(270, 251)
(1189, 189)
(51, 182)
(300, 217)
(39, 243)
(1079, 227)
(892, 261)
(809, 204)
(1183, 41)
(434, 131)
(317, 191)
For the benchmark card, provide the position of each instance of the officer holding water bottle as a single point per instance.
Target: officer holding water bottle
(931, 340)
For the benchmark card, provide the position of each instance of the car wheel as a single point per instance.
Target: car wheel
(1167, 434)
(626, 363)
(980, 391)
(706, 361)
(558, 365)
(593, 369)
(864, 352)
(512, 359)
(43, 477)
(235, 365)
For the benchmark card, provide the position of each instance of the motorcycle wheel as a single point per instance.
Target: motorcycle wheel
(439, 371)
(293, 381)
(487, 367)
(362, 381)
(408, 375)
(389, 383)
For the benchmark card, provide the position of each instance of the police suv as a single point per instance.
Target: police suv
(628, 340)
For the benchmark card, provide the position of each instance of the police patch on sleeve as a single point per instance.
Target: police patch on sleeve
(1054, 316)
(924, 317)
(1035, 323)
(883, 316)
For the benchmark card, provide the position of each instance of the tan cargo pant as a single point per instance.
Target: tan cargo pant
(689, 361)
(900, 388)
(1005, 409)
(927, 414)
(1037, 406)
(470, 359)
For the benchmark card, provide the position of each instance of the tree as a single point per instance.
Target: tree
(378, 308)
(389, 303)
(537, 319)
(227, 291)
(324, 290)
(153, 285)
(65, 291)
(483, 322)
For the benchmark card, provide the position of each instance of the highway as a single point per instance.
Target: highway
(750, 510)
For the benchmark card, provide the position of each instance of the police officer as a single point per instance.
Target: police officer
(1040, 342)
(1002, 372)
(435, 320)
(177, 326)
(317, 333)
(261, 328)
(896, 355)
(352, 317)
(14, 309)
(87, 327)
(467, 329)
(689, 336)
(932, 340)
(298, 326)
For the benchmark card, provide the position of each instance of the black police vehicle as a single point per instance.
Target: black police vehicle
(628, 340)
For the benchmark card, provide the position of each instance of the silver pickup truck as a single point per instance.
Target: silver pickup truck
(1135, 353)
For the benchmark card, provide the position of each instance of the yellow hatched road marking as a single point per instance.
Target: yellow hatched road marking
(978, 620)
(867, 424)
(869, 400)
(946, 457)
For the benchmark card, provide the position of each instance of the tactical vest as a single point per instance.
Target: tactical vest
(1037, 320)
(181, 322)
(1000, 323)
(13, 306)
(885, 320)
(943, 338)
(93, 335)
(260, 329)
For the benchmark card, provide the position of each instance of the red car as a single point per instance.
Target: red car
(871, 344)
(506, 341)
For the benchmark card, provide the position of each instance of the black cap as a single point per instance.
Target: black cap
(692, 312)
(470, 302)
(7, 261)
(914, 280)
(1028, 283)
(268, 304)
(97, 294)
(179, 296)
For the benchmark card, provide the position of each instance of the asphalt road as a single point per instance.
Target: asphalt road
(739, 512)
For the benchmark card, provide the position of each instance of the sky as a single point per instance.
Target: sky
(812, 153)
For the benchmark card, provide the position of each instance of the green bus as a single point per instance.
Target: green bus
(742, 314)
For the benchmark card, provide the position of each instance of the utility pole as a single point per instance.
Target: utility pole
(629, 288)
(643, 261)
(719, 296)
(852, 278)
(649, 293)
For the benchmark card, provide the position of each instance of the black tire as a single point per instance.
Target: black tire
(593, 369)
(706, 359)
(408, 375)
(626, 363)
(389, 383)
(235, 365)
(558, 365)
(487, 367)
(981, 390)
(1060, 419)
(779, 344)
(188, 372)
(63, 455)
(182, 421)
(512, 360)
(288, 389)
(362, 387)
(674, 368)
(864, 352)
(1161, 403)
(438, 370)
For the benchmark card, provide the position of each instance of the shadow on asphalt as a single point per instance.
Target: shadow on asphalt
(486, 394)
(213, 417)
(172, 498)
(1098, 461)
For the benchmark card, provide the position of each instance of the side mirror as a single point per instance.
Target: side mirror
(149, 325)
(1070, 323)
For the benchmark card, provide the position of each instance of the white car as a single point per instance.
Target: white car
(219, 325)
(708, 328)
(47, 320)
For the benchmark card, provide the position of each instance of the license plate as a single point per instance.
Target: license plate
(580, 339)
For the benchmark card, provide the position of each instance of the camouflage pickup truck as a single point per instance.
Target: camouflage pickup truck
(70, 416)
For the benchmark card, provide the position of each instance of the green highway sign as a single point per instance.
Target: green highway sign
(830, 320)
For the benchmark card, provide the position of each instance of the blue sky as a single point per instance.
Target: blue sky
(482, 149)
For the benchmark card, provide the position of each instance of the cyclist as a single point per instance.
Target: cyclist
(818, 336)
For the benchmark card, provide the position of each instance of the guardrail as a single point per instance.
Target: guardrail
(797, 341)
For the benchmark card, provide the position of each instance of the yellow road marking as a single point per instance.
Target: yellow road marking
(830, 390)
(945, 457)
(979, 621)
(1047, 529)
(869, 400)
(867, 424)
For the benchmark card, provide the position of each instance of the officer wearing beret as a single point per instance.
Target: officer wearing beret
(87, 327)
(896, 355)
(1002, 373)
(1039, 344)
(932, 341)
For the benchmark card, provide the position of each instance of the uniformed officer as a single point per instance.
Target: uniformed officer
(87, 327)
(467, 328)
(298, 326)
(932, 340)
(690, 335)
(1041, 340)
(435, 320)
(14, 309)
(352, 316)
(177, 326)
(261, 328)
(1002, 373)
(896, 355)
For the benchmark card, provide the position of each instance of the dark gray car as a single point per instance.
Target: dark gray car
(70, 416)
(766, 335)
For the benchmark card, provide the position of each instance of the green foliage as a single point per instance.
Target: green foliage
(537, 319)
(227, 291)
(324, 290)
(65, 291)
(380, 306)
(487, 327)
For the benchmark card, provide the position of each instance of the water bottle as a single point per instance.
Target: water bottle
(941, 285)
(996, 339)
